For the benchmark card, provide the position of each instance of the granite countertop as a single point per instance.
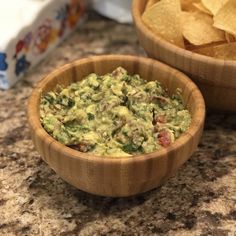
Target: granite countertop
(199, 200)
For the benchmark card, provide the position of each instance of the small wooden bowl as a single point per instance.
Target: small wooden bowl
(216, 78)
(120, 176)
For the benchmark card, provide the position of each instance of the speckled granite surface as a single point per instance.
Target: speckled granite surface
(199, 200)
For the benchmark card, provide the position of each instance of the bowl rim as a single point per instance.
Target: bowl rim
(169, 46)
(35, 124)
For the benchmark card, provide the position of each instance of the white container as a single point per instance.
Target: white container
(30, 29)
(119, 10)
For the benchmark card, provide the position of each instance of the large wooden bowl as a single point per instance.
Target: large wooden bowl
(216, 78)
(117, 176)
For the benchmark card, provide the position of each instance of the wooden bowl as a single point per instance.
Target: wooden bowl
(120, 176)
(216, 78)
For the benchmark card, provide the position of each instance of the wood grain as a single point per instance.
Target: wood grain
(209, 73)
(117, 176)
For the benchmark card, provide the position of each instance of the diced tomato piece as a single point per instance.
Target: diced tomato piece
(164, 138)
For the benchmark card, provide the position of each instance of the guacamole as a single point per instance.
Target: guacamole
(114, 115)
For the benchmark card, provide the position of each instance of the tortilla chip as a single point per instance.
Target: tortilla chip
(214, 5)
(201, 8)
(198, 29)
(223, 51)
(230, 38)
(225, 19)
(150, 3)
(164, 19)
(192, 47)
(187, 5)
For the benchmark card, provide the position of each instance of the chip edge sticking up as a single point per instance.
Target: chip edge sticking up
(225, 18)
(171, 9)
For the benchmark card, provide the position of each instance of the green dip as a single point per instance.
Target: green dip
(114, 115)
